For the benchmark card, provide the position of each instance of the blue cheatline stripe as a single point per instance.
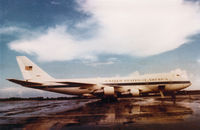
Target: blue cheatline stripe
(148, 83)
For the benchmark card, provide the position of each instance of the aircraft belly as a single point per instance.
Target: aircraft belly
(146, 88)
(174, 87)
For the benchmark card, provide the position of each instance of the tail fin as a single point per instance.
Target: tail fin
(31, 71)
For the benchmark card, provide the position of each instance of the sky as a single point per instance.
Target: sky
(98, 38)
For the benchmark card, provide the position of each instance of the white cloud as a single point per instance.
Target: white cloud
(130, 27)
(96, 63)
(136, 73)
(11, 30)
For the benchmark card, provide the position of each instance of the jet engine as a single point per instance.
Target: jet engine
(104, 91)
(134, 92)
(129, 91)
(109, 91)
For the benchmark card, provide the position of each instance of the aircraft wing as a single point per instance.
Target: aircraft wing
(24, 83)
(58, 84)
(76, 84)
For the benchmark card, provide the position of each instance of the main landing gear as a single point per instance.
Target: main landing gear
(161, 90)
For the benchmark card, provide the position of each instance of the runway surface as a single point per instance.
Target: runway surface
(127, 113)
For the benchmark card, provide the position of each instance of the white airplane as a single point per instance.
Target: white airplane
(36, 78)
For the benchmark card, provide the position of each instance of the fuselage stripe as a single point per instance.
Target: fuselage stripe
(148, 83)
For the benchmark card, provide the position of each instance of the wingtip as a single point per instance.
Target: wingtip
(10, 79)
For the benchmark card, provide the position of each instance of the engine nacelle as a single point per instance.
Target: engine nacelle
(109, 91)
(134, 92)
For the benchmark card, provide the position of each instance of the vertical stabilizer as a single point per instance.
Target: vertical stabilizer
(31, 71)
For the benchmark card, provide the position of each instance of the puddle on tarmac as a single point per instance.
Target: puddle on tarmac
(126, 113)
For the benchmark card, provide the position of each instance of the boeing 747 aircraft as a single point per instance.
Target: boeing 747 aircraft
(36, 78)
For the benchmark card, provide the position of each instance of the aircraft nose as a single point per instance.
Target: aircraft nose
(189, 84)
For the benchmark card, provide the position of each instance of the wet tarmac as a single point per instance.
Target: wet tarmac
(150, 113)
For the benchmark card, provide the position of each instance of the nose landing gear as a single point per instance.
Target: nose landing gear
(162, 90)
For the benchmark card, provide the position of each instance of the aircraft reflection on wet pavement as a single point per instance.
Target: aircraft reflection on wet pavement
(129, 112)
(126, 111)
